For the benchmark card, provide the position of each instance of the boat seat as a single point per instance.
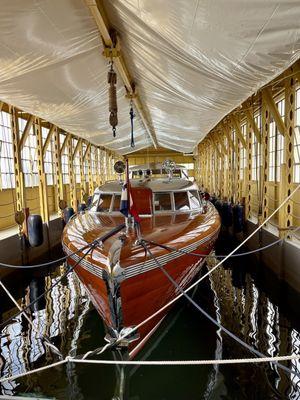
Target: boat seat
(142, 198)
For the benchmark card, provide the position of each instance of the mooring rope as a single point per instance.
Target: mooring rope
(136, 327)
(246, 253)
(91, 247)
(58, 260)
(213, 320)
(170, 363)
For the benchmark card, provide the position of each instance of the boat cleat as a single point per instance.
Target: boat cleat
(123, 338)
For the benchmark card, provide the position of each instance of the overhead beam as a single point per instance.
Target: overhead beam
(211, 139)
(251, 121)
(78, 145)
(88, 145)
(267, 96)
(101, 21)
(237, 127)
(66, 141)
(26, 131)
(48, 138)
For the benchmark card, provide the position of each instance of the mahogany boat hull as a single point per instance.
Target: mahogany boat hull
(125, 285)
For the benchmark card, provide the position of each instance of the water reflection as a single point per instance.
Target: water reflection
(241, 296)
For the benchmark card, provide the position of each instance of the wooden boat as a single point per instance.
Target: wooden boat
(124, 283)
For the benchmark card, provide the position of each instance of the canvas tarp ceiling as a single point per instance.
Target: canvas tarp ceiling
(193, 61)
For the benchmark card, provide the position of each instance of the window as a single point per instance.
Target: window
(243, 151)
(93, 162)
(76, 161)
(181, 201)
(104, 203)
(48, 158)
(65, 166)
(94, 203)
(256, 151)
(7, 177)
(162, 202)
(117, 202)
(194, 199)
(276, 146)
(297, 140)
(29, 156)
(85, 162)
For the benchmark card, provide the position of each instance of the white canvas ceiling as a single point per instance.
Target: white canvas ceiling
(193, 61)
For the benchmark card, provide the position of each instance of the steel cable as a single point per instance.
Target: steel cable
(215, 322)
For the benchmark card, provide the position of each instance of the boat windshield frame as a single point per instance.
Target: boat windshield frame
(171, 193)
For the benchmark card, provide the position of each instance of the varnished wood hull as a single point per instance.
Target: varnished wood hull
(141, 288)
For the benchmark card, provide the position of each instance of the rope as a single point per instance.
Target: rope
(3, 265)
(69, 359)
(211, 270)
(246, 253)
(47, 264)
(215, 322)
(92, 245)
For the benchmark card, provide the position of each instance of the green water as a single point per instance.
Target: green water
(244, 296)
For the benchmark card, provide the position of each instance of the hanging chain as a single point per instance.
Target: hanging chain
(113, 107)
(132, 115)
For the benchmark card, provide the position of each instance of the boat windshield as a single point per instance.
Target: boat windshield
(177, 201)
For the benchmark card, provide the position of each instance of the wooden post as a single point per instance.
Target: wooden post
(286, 170)
(19, 177)
(41, 171)
(265, 118)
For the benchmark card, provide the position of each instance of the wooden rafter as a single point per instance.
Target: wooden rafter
(251, 121)
(268, 98)
(238, 130)
(78, 145)
(66, 141)
(26, 131)
(102, 23)
(48, 138)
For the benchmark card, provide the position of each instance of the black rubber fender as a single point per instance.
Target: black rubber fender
(35, 230)
(238, 218)
(68, 213)
(226, 214)
(81, 207)
(218, 204)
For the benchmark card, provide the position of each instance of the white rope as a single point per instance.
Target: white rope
(212, 269)
(155, 363)
(187, 362)
(46, 340)
(33, 371)
(181, 362)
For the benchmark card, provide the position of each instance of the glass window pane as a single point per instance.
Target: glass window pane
(194, 199)
(117, 201)
(162, 201)
(181, 201)
(94, 202)
(104, 203)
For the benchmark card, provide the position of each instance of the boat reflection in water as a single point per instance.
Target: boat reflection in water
(240, 296)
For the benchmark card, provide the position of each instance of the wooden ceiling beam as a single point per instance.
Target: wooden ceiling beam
(101, 20)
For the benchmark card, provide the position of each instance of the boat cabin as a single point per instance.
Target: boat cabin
(150, 197)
